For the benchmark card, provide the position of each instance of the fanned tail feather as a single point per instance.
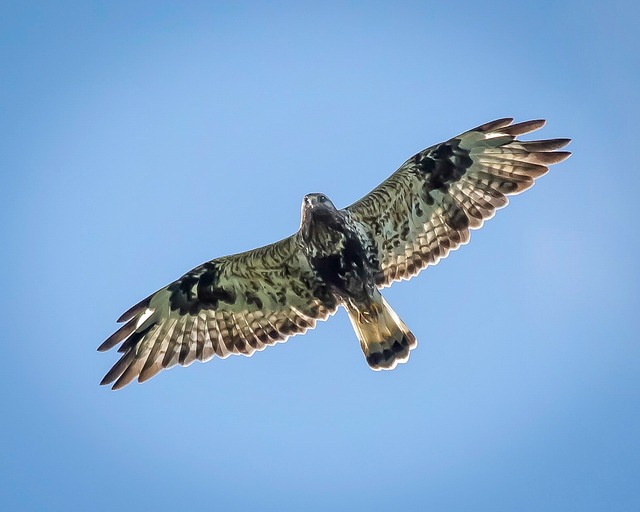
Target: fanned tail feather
(384, 338)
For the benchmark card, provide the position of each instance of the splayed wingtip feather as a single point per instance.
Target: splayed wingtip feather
(118, 336)
(524, 127)
(493, 125)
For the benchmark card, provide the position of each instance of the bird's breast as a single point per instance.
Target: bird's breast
(341, 259)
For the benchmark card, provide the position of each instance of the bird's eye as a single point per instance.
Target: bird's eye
(322, 199)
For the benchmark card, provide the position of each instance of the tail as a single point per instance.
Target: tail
(384, 338)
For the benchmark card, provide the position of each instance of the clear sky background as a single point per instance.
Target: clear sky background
(140, 139)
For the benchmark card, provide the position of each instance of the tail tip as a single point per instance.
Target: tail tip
(395, 353)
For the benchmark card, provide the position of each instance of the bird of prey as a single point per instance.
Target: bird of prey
(241, 303)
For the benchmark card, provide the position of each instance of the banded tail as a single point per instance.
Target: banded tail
(384, 338)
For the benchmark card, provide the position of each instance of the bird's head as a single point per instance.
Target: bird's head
(317, 201)
(318, 207)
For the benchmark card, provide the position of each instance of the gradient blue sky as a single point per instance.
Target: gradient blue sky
(142, 138)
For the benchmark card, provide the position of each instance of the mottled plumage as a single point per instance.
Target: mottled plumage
(241, 303)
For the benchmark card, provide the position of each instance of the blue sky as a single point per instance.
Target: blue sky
(143, 138)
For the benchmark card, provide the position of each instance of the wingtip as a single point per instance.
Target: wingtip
(128, 314)
(563, 142)
(121, 334)
(564, 155)
(135, 310)
(119, 385)
(105, 381)
(493, 125)
(524, 127)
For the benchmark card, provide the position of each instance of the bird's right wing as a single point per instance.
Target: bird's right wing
(427, 207)
(232, 305)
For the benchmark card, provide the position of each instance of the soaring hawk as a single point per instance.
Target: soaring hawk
(241, 303)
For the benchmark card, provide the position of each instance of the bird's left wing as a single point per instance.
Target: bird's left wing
(426, 208)
(232, 305)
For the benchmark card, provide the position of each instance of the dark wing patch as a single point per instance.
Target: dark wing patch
(446, 164)
(233, 305)
(199, 289)
(427, 207)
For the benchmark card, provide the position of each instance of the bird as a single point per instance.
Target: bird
(242, 303)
